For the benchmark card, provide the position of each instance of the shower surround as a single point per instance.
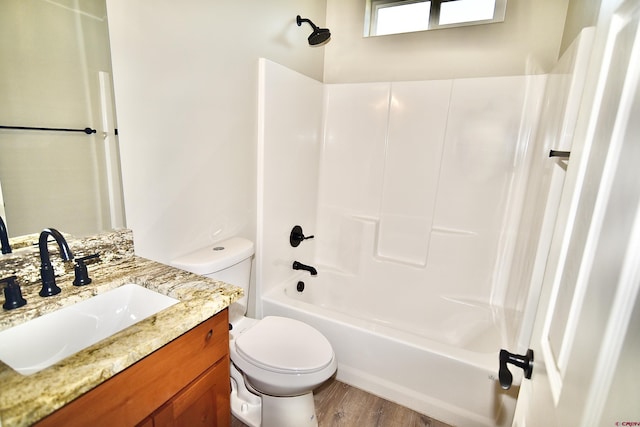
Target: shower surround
(406, 187)
(415, 194)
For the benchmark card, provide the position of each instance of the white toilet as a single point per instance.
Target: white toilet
(276, 361)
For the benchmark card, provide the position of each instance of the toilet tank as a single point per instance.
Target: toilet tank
(228, 260)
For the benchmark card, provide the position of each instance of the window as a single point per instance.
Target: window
(405, 16)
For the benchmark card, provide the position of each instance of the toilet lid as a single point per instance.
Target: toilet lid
(284, 345)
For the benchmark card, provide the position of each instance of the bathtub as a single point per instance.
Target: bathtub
(446, 368)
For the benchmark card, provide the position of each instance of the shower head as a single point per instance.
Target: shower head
(319, 35)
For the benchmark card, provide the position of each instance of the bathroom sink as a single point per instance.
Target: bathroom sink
(45, 340)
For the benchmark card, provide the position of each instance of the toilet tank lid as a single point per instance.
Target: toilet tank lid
(215, 257)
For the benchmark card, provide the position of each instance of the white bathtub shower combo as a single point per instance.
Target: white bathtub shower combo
(431, 204)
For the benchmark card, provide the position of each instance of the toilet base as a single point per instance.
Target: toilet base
(245, 405)
(270, 411)
(296, 411)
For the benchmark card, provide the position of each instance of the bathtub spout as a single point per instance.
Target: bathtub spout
(299, 266)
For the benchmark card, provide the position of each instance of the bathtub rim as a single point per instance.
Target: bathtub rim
(485, 367)
(487, 361)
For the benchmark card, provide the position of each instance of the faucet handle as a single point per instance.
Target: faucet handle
(80, 269)
(12, 294)
(297, 236)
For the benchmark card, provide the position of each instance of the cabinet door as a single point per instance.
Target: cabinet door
(204, 402)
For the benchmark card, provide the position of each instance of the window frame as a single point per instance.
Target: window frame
(373, 6)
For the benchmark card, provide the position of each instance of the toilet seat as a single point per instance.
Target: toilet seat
(284, 345)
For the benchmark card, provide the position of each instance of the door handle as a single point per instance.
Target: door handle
(561, 154)
(525, 362)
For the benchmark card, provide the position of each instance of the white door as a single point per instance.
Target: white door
(586, 339)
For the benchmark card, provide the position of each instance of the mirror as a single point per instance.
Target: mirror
(55, 72)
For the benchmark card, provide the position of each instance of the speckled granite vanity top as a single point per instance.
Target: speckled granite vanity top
(26, 399)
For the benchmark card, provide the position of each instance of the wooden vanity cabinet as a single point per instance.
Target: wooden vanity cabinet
(184, 383)
(203, 403)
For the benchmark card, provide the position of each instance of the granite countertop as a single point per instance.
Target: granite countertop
(26, 399)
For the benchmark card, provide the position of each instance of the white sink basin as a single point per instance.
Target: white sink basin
(45, 340)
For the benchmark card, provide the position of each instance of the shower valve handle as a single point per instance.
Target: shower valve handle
(525, 362)
(297, 236)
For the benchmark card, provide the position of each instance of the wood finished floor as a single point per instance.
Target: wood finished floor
(341, 405)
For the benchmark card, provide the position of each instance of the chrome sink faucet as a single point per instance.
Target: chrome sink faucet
(4, 238)
(47, 274)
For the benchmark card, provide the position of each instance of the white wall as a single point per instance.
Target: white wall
(409, 186)
(414, 182)
(289, 142)
(186, 93)
(580, 14)
(186, 76)
(528, 40)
